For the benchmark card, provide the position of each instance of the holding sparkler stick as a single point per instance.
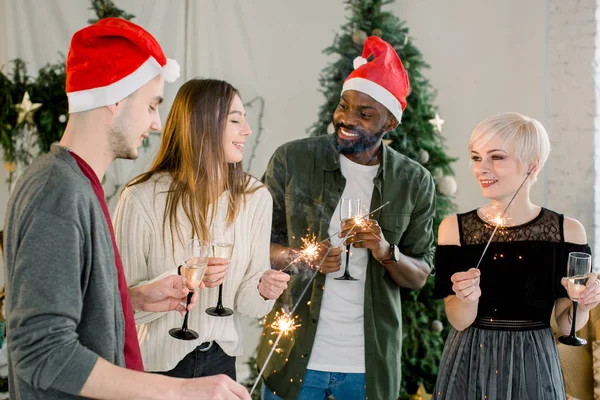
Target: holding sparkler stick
(282, 323)
(285, 323)
(310, 247)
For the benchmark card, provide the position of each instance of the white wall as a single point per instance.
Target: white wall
(571, 108)
(486, 56)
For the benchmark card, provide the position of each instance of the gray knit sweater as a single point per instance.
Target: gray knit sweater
(62, 299)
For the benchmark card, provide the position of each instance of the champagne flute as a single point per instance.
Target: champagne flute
(222, 236)
(349, 208)
(193, 271)
(578, 271)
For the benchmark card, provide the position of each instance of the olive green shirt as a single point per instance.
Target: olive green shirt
(306, 183)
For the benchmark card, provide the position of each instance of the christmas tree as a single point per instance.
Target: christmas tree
(107, 9)
(418, 137)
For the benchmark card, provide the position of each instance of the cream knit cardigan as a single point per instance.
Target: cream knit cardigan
(147, 257)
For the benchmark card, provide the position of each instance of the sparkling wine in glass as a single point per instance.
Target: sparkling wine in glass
(193, 271)
(349, 209)
(578, 270)
(576, 285)
(222, 236)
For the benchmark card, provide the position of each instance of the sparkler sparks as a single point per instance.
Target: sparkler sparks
(309, 253)
(501, 218)
(284, 323)
(360, 220)
(496, 219)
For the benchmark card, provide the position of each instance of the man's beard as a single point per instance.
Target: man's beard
(363, 143)
(120, 147)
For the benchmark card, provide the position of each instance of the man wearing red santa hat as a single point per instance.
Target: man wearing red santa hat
(349, 341)
(70, 326)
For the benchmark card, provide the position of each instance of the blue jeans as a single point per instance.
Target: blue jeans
(318, 385)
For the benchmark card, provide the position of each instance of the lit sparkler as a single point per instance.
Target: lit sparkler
(311, 242)
(497, 220)
(360, 220)
(284, 323)
(309, 253)
(500, 219)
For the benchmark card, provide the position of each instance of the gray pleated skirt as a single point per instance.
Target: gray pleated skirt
(484, 364)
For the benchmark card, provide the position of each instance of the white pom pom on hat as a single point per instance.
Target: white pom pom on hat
(359, 61)
(171, 70)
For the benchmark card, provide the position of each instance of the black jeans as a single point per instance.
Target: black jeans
(200, 362)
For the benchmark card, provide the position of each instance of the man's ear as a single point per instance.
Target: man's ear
(392, 123)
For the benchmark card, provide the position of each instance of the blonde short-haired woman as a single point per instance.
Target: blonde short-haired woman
(501, 346)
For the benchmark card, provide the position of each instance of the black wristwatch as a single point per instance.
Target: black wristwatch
(394, 253)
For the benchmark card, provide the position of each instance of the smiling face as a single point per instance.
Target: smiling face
(505, 148)
(360, 122)
(236, 132)
(496, 168)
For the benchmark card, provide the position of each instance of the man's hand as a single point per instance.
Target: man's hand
(272, 284)
(215, 271)
(366, 234)
(107, 381)
(332, 262)
(166, 294)
(217, 387)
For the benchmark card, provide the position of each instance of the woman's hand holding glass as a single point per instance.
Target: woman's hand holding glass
(222, 240)
(588, 297)
(466, 285)
(192, 271)
(579, 281)
(215, 271)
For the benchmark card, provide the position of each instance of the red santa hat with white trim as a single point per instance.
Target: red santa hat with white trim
(383, 78)
(111, 59)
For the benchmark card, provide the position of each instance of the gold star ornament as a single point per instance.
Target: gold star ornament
(437, 123)
(26, 109)
(421, 394)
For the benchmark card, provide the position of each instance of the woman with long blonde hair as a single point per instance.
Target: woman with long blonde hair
(195, 182)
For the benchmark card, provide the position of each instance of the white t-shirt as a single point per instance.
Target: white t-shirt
(339, 342)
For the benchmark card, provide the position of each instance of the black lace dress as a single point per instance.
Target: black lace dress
(509, 352)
